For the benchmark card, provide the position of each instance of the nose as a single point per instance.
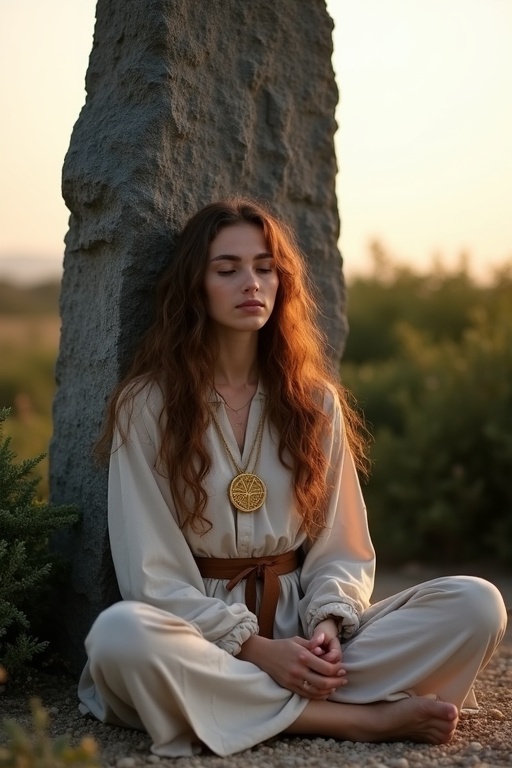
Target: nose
(251, 283)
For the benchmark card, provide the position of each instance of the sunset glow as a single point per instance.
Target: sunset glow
(424, 146)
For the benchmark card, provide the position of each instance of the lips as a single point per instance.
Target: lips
(250, 303)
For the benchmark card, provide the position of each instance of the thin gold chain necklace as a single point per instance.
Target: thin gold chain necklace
(235, 410)
(239, 420)
(246, 491)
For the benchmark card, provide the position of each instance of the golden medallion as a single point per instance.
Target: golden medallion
(247, 492)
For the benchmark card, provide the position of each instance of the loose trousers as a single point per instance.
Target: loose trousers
(152, 670)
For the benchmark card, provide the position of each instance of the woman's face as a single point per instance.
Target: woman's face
(241, 280)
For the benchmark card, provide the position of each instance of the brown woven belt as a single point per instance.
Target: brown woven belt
(268, 569)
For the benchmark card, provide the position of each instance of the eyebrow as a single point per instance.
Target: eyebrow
(229, 257)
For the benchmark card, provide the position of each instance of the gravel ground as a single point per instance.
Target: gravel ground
(482, 740)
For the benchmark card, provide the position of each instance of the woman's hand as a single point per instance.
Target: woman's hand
(294, 665)
(325, 641)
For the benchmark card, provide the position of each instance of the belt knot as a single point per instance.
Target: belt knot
(267, 569)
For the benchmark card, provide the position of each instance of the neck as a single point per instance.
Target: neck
(237, 362)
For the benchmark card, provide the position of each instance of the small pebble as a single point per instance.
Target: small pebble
(497, 714)
(475, 746)
(125, 762)
(152, 759)
(402, 762)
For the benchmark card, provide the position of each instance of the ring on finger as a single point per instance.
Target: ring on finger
(306, 685)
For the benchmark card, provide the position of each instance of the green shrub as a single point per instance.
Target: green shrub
(440, 304)
(441, 415)
(25, 561)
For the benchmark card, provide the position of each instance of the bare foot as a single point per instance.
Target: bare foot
(414, 719)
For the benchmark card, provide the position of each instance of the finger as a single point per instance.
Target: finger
(326, 686)
(321, 688)
(309, 691)
(333, 656)
(316, 643)
(301, 640)
(319, 665)
(314, 695)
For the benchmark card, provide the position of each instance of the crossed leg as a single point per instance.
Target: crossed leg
(414, 719)
(412, 664)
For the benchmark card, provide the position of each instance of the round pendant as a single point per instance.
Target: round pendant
(247, 492)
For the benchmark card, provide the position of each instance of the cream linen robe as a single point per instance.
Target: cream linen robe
(164, 658)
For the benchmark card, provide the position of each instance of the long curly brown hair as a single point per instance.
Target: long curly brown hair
(178, 353)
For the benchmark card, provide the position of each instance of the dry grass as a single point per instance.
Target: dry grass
(28, 350)
(31, 332)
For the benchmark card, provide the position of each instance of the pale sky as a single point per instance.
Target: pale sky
(424, 146)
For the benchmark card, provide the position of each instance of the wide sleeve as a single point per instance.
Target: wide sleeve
(338, 571)
(152, 559)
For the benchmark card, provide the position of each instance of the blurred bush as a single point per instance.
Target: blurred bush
(440, 303)
(35, 748)
(438, 398)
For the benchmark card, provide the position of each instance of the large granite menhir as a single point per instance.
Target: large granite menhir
(187, 102)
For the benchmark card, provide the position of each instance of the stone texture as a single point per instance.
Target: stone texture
(187, 102)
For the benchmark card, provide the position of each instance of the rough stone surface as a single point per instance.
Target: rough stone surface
(186, 102)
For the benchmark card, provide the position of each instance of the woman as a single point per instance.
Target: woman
(239, 534)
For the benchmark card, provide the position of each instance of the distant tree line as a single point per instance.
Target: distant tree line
(40, 299)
